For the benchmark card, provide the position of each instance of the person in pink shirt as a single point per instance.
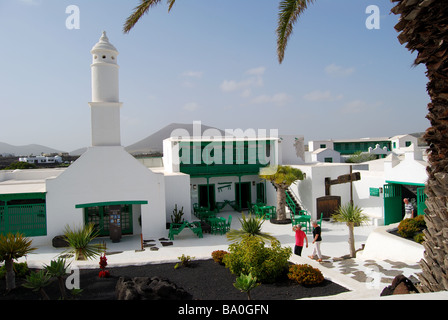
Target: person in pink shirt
(300, 236)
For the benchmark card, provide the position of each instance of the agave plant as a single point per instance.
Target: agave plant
(58, 269)
(79, 240)
(250, 226)
(37, 281)
(245, 283)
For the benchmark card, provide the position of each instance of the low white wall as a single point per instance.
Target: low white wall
(382, 245)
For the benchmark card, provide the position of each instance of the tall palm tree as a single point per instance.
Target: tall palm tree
(423, 26)
(282, 179)
(351, 215)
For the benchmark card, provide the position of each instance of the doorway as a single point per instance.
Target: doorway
(243, 194)
(207, 196)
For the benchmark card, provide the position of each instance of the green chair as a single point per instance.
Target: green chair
(229, 222)
(320, 221)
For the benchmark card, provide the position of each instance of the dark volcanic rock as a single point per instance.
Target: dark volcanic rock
(145, 288)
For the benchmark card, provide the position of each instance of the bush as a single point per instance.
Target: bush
(305, 274)
(411, 226)
(250, 255)
(218, 255)
(419, 237)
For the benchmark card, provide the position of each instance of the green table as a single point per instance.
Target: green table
(218, 225)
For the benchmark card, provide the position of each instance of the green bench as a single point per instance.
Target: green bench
(176, 228)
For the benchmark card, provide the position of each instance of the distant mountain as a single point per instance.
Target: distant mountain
(78, 152)
(30, 149)
(154, 142)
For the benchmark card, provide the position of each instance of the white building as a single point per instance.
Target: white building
(105, 177)
(41, 159)
(207, 170)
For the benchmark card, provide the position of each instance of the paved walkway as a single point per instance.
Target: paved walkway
(364, 278)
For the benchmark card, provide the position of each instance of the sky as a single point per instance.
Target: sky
(212, 61)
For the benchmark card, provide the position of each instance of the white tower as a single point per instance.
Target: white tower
(105, 105)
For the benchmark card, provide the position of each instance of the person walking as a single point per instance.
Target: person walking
(317, 238)
(300, 236)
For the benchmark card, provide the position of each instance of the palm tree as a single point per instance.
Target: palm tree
(423, 26)
(352, 215)
(282, 179)
(289, 12)
(12, 247)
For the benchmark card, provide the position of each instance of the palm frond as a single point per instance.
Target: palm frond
(170, 4)
(139, 11)
(289, 11)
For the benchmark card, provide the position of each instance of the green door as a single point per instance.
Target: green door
(99, 216)
(393, 211)
(207, 196)
(421, 197)
(243, 195)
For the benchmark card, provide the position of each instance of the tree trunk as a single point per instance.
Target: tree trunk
(281, 203)
(351, 239)
(44, 294)
(423, 26)
(10, 276)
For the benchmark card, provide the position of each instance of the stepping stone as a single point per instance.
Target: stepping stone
(170, 243)
(153, 248)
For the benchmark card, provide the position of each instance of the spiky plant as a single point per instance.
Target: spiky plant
(246, 283)
(79, 240)
(58, 269)
(12, 247)
(250, 225)
(37, 281)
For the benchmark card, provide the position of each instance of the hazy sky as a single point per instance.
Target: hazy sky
(208, 60)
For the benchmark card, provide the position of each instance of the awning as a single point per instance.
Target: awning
(110, 203)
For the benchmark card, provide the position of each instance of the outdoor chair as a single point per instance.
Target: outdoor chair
(229, 222)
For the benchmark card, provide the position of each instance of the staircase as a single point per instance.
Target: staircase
(292, 202)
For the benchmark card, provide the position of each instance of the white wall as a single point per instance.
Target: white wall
(177, 191)
(293, 149)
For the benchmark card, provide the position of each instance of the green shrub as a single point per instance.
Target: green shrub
(185, 261)
(305, 274)
(411, 226)
(250, 255)
(218, 255)
(420, 221)
(419, 237)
